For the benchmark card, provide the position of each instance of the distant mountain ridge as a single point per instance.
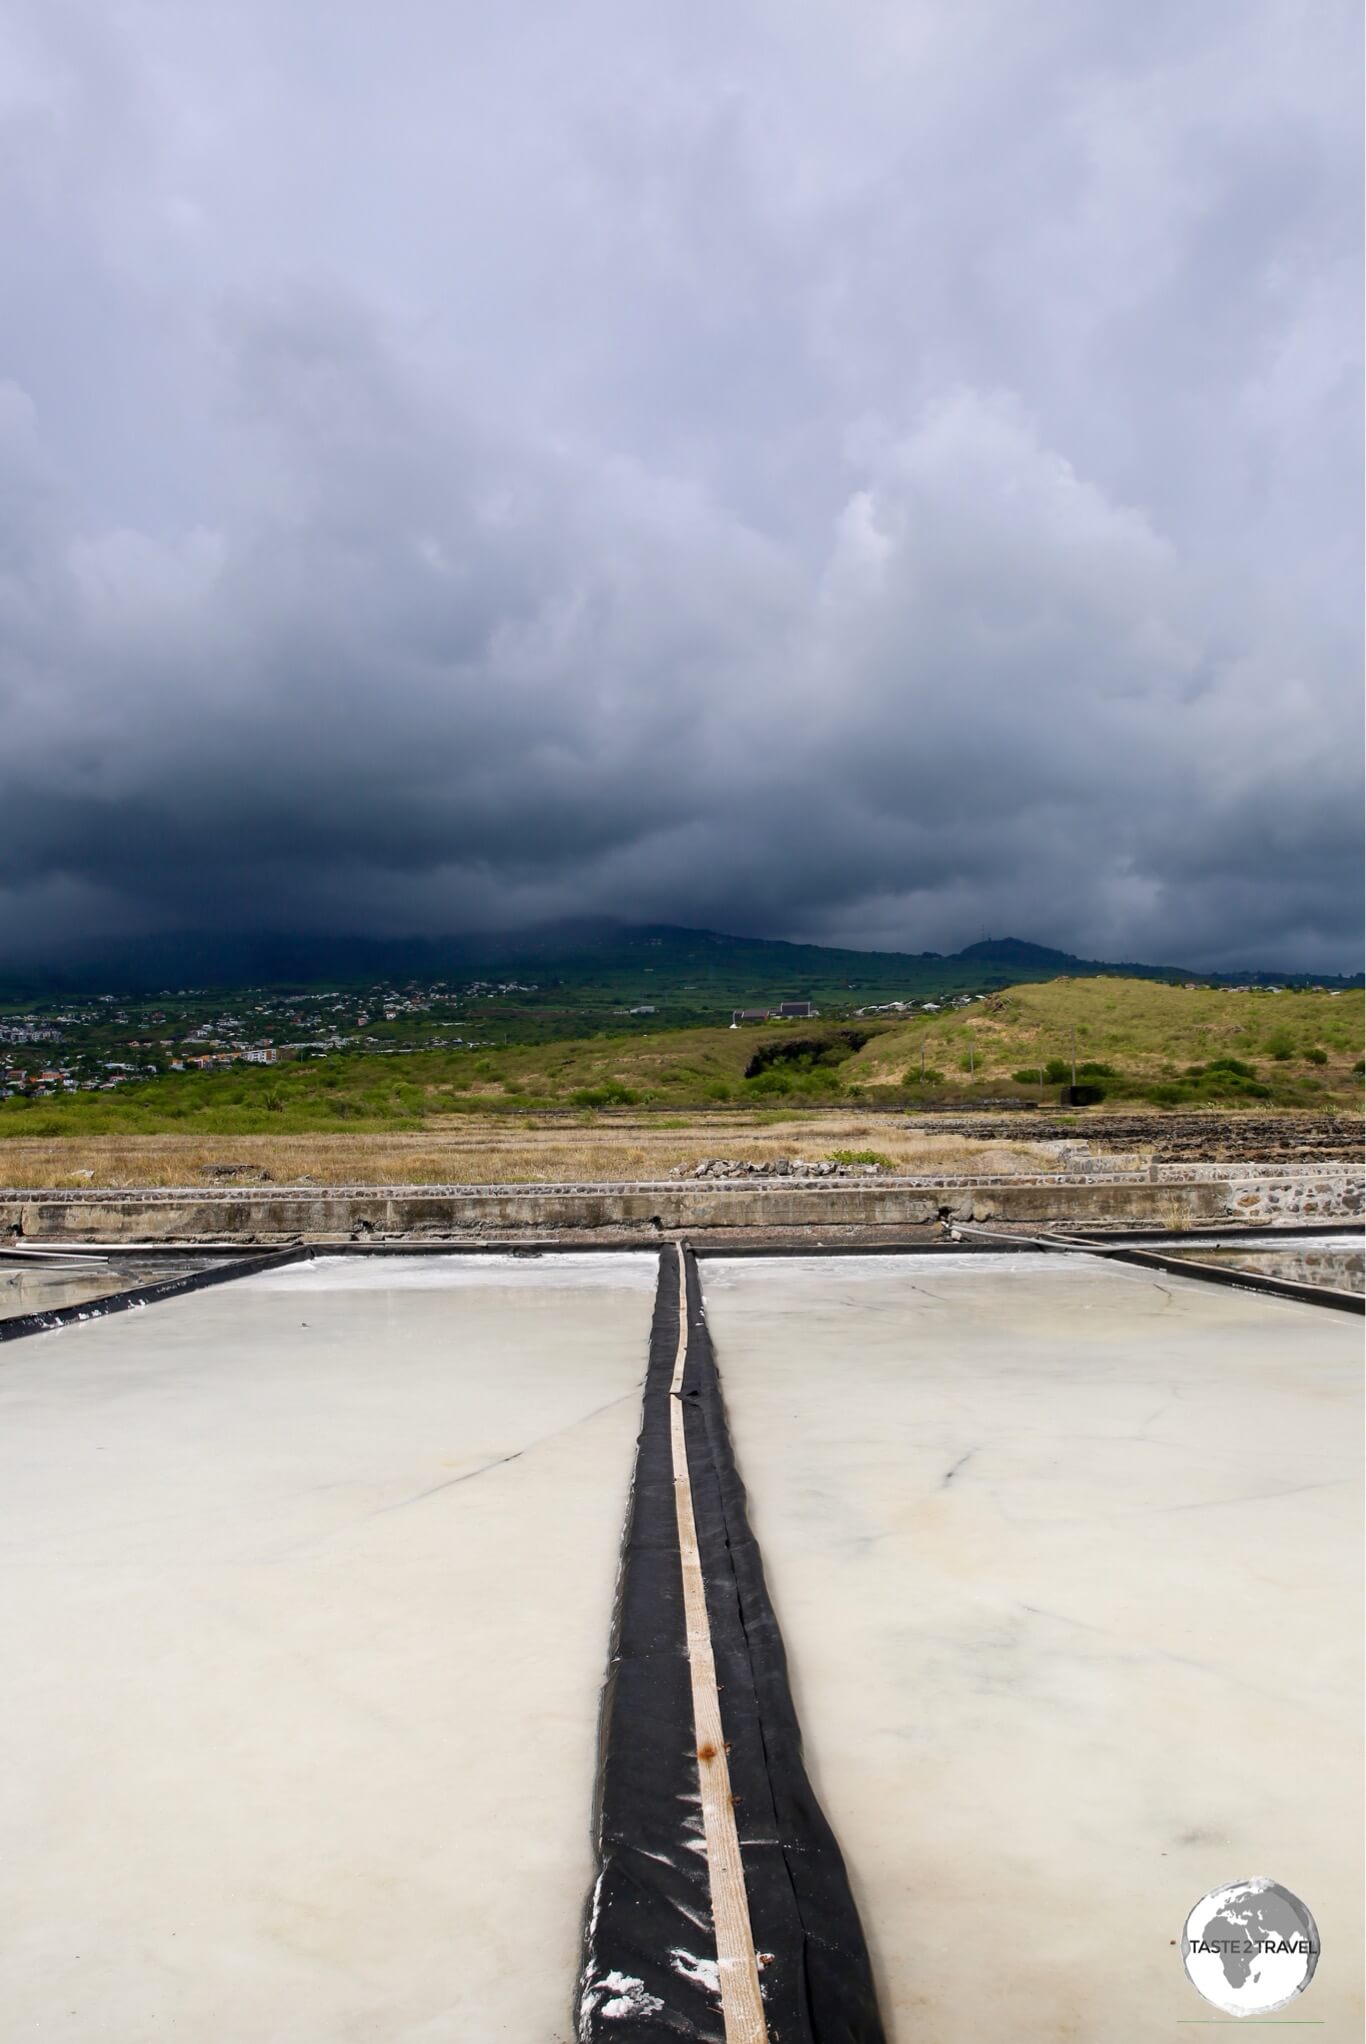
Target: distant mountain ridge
(596, 954)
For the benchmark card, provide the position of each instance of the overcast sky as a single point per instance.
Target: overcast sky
(877, 471)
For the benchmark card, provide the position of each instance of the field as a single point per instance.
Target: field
(484, 1149)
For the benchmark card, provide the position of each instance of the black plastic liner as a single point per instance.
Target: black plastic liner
(650, 1956)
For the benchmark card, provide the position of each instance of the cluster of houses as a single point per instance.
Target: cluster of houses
(786, 1011)
(919, 1007)
(63, 1079)
(92, 1040)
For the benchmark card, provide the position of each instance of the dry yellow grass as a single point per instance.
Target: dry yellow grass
(492, 1149)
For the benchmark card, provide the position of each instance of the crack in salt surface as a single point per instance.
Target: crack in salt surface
(452, 1482)
(949, 1474)
(1131, 1655)
(498, 1462)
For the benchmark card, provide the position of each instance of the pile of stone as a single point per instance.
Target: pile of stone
(772, 1167)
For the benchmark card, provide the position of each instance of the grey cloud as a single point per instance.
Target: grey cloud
(875, 476)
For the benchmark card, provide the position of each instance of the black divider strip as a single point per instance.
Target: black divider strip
(648, 1943)
(144, 1295)
(649, 1952)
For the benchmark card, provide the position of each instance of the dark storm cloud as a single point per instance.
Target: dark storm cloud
(878, 474)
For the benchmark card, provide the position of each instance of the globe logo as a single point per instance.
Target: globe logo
(1251, 1947)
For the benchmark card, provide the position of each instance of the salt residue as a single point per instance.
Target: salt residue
(701, 1972)
(567, 1270)
(625, 1996)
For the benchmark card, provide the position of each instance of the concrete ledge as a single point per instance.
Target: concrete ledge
(309, 1214)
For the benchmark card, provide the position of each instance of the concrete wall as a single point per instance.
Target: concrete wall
(320, 1215)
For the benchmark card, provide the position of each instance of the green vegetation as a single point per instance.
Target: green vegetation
(1223, 1079)
(360, 1093)
(861, 1157)
(376, 1091)
(1058, 1072)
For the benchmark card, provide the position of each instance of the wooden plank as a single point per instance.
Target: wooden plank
(742, 2007)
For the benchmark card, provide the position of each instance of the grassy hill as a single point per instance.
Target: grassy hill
(1138, 1040)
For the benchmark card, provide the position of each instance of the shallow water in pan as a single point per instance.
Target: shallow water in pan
(1333, 1260)
(1066, 1558)
(45, 1287)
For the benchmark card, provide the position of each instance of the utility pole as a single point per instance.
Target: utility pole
(922, 1060)
(1074, 1054)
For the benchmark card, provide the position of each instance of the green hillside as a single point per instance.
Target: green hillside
(1134, 1041)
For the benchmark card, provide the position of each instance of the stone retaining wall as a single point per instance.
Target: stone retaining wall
(285, 1214)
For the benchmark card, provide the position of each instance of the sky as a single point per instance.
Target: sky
(879, 472)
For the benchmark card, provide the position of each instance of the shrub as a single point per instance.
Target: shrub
(915, 1077)
(785, 1079)
(806, 1053)
(612, 1094)
(1316, 1056)
(1057, 1070)
(860, 1157)
(1224, 1079)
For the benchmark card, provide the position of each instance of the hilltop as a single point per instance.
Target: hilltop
(584, 965)
(1135, 1040)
